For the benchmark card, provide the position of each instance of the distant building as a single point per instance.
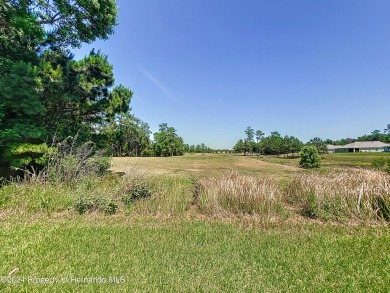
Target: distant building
(360, 146)
(331, 148)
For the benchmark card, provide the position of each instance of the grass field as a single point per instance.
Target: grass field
(200, 166)
(164, 243)
(333, 160)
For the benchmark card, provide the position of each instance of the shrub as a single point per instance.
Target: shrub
(99, 165)
(72, 162)
(381, 164)
(89, 204)
(387, 167)
(378, 163)
(309, 158)
(139, 190)
(110, 207)
(82, 205)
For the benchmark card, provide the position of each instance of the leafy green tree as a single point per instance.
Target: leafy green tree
(309, 157)
(239, 146)
(249, 141)
(20, 108)
(387, 129)
(273, 144)
(319, 144)
(77, 93)
(167, 142)
(127, 136)
(259, 137)
(72, 22)
(295, 145)
(44, 91)
(20, 35)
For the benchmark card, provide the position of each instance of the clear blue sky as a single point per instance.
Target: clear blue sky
(210, 68)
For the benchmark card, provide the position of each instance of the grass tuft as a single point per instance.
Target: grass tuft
(361, 194)
(238, 195)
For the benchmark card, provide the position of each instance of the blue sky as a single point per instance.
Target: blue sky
(210, 68)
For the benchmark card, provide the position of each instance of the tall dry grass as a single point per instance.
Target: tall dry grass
(239, 195)
(169, 196)
(361, 194)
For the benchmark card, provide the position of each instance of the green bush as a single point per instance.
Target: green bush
(378, 163)
(138, 191)
(387, 167)
(99, 165)
(110, 207)
(309, 158)
(82, 205)
(89, 204)
(381, 164)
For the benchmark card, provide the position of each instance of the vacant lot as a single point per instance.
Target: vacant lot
(333, 160)
(191, 234)
(201, 166)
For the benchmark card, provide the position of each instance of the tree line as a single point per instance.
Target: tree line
(256, 142)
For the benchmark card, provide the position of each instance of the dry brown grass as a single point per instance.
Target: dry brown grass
(361, 194)
(234, 194)
(199, 167)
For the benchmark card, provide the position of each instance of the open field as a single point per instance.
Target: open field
(352, 159)
(333, 160)
(200, 166)
(193, 233)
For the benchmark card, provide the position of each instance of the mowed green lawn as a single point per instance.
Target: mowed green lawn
(189, 256)
(181, 252)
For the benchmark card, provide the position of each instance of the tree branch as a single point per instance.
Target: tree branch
(52, 20)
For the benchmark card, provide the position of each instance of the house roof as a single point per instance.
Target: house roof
(331, 147)
(363, 144)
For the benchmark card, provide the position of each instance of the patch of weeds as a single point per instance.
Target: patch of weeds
(5, 195)
(82, 205)
(110, 207)
(331, 209)
(378, 163)
(311, 209)
(139, 190)
(383, 209)
(45, 203)
(89, 204)
(387, 167)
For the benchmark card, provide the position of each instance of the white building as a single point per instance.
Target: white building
(359, 146)
(331, 148)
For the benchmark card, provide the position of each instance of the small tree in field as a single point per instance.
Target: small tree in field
(309, 158)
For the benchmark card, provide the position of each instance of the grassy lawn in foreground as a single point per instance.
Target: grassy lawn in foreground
(165, 244)
(194, 256)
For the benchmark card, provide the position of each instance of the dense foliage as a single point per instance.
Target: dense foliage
(167, 142)
(45, 92)
(309, 157)
(274, 144)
